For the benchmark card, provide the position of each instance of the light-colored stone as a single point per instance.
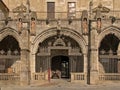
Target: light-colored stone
(47, 30)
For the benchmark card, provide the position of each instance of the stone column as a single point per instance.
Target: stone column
(71, 64)
(118, 66)
(93, 54)
(118, 53)
(32, 65)
(48, 68)
(93, 67)
(25, 74)
(85, 67)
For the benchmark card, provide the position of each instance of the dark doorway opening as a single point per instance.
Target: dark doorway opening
(9, 54)
(108, 51)
(60, 67)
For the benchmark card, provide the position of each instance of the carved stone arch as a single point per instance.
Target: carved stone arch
(106, 31)
(9, 31)
(65, 31)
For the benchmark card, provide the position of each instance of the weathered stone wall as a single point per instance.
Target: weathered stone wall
(41, 5)
(29, 44)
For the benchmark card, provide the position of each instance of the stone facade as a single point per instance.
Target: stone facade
(77, 42)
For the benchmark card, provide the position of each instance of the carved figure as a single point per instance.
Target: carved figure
(33, 26)
(20, 25)
(85, 26)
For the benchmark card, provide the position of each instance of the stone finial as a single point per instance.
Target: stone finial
(16, 52)
(9, 52)
(110, 52)
(102, 51)
(2, 52)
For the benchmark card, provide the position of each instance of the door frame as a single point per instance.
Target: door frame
(58, 71)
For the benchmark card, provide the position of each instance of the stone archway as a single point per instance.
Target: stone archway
(52, 32)
(49, 40)
(58, 45)
(10, 51)
(108, 54)
(9, 55)
(10, 31)
(109, 48)
(106, 31)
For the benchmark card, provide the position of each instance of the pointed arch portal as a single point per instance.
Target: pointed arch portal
(9, 54)
(61, 54)
(109, 56)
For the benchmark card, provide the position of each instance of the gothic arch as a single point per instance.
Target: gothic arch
(9, 31)
(53, 31)
(106, 31)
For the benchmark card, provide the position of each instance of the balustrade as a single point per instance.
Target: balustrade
(38, 76)
(77, 76)
(9, 52)
(7, 76)
(109, 76)
(109, 66)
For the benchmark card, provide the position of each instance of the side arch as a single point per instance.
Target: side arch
(10, 31)
(106, 31)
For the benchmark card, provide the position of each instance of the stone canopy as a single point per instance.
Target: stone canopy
(101, 8)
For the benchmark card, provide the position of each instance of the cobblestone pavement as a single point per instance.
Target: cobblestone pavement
(64, 86)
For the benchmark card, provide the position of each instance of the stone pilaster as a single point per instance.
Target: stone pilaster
(93, 54)
(118, 53)
(85, 67)
(93, 67)
(118, 66)
(32, 64)
(25, 74)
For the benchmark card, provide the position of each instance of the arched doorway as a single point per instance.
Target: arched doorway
(9, 55)
(60, 66)
(62, 50)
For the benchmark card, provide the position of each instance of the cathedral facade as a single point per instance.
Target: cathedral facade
(76, 40)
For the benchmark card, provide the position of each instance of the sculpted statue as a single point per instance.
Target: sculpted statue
(20, 25)
(85, 26)
(33, 26)
(84, 22)
(99, 23)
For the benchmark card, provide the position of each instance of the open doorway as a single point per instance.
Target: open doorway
(60, 66)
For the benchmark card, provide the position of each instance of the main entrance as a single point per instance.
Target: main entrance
(61, 56)
(60, 67)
